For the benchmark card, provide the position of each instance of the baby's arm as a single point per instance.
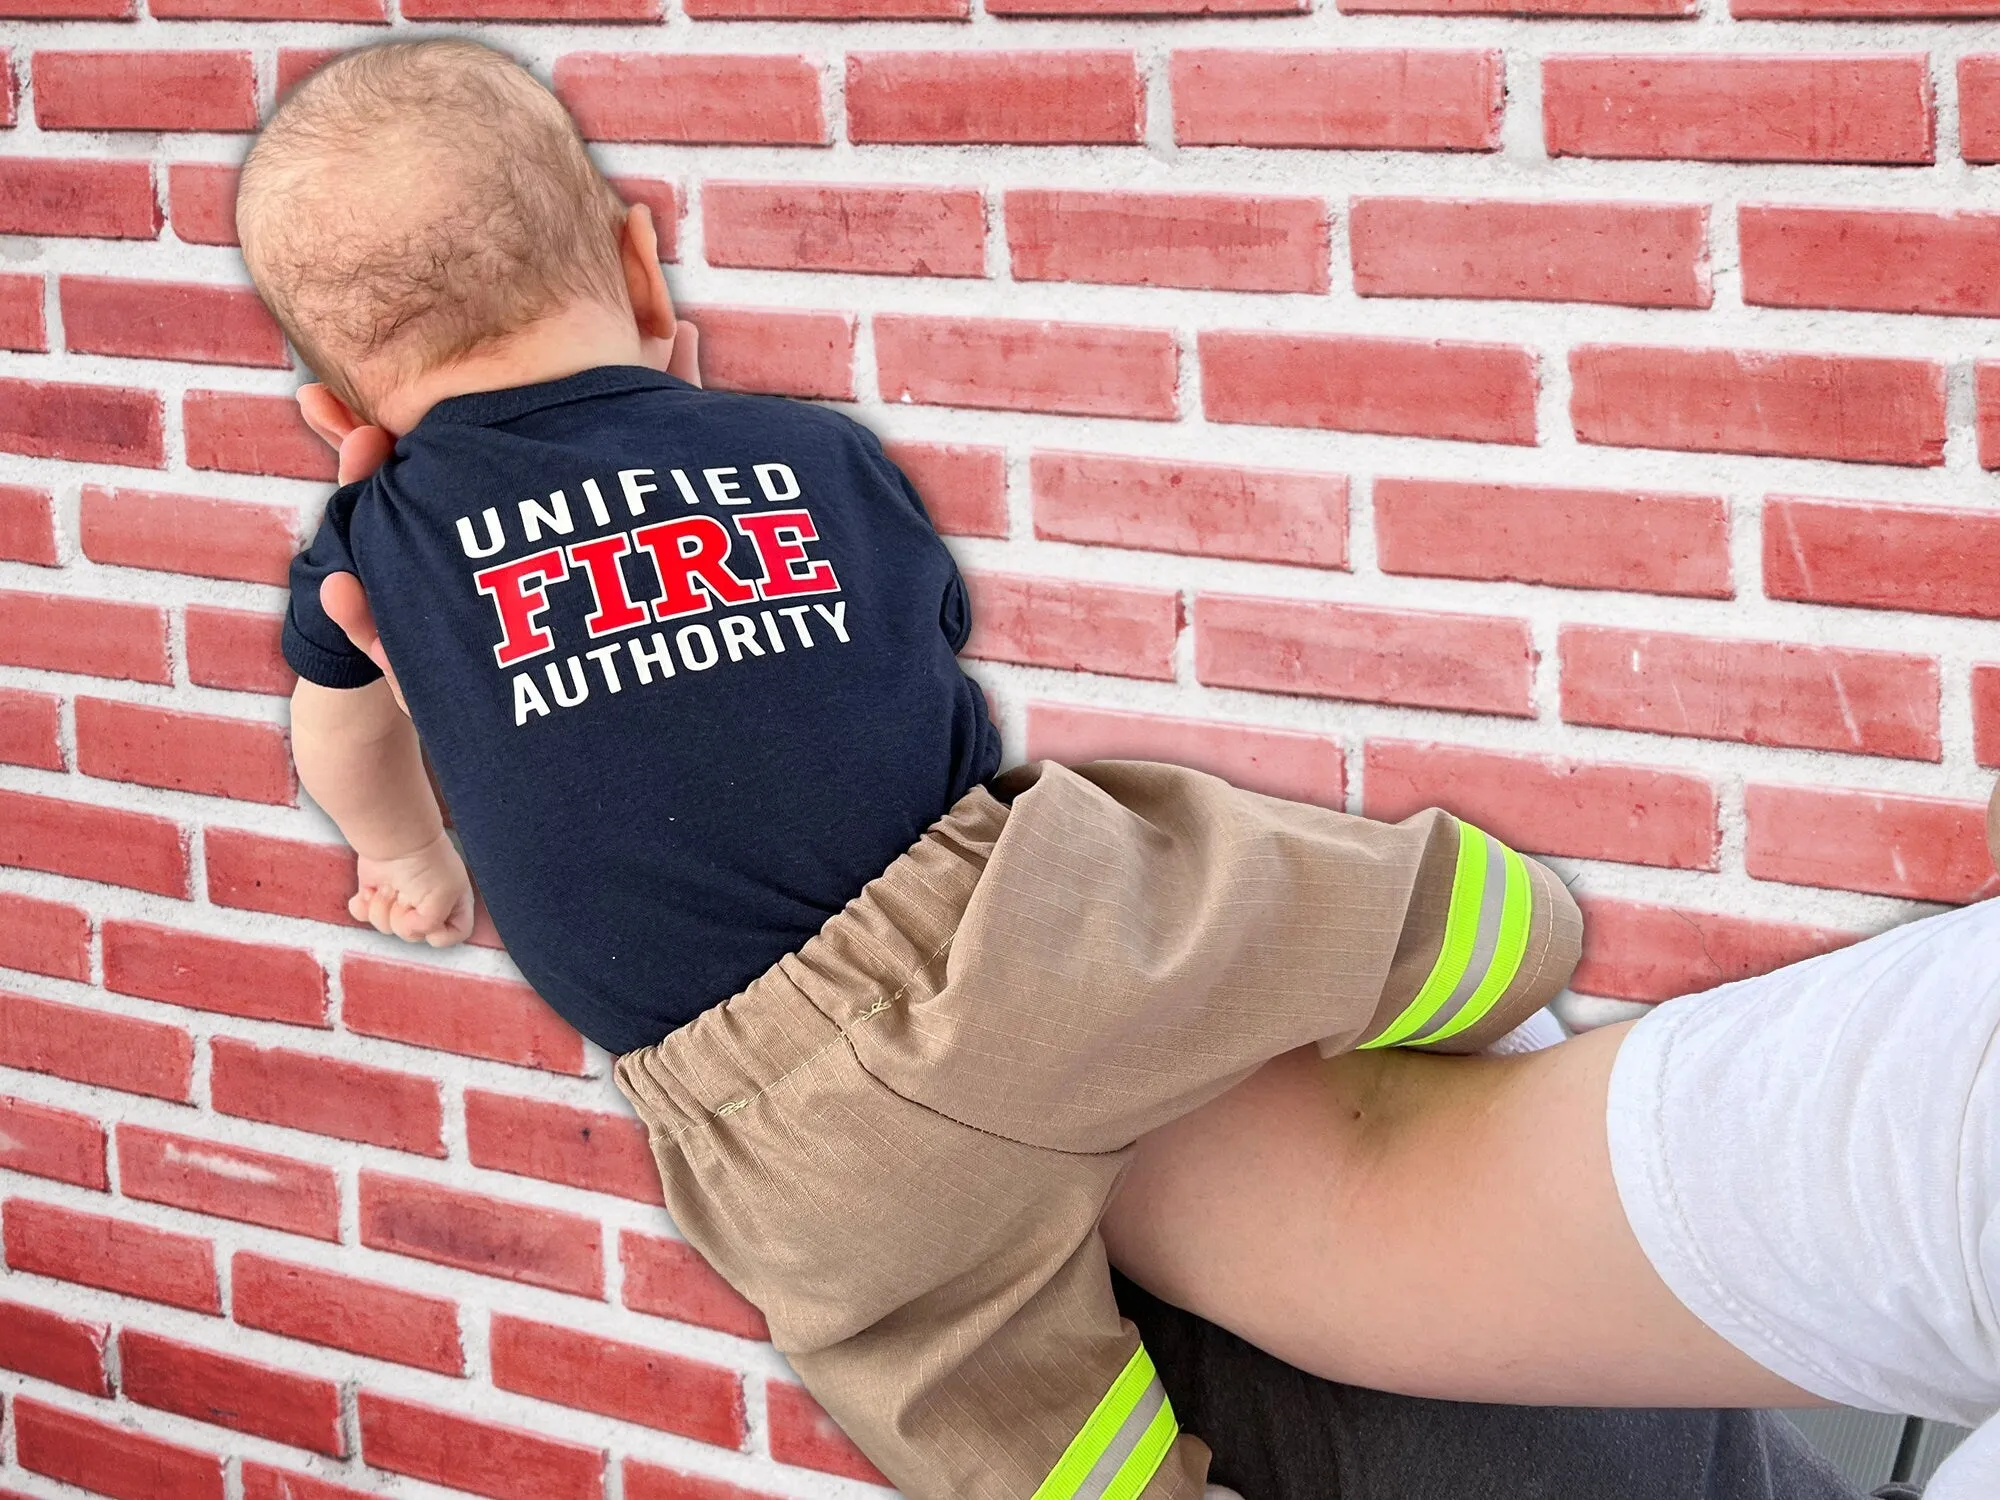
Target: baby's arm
(358, 757)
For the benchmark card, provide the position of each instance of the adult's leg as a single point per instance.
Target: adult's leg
(1281, 1434)
(1435, 1226)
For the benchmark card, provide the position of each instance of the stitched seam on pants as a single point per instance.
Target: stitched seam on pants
(736, 1106)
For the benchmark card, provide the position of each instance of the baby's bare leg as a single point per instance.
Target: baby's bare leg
(1437, 1226)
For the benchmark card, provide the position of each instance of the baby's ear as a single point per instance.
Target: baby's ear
(326, 414)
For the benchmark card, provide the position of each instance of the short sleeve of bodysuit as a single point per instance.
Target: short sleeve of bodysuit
(316, 648)
(955, 613)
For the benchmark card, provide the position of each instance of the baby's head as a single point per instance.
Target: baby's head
(414, 203)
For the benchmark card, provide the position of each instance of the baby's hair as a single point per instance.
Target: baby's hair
(410, 202)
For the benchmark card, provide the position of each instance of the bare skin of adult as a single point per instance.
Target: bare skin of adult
(1434, 1226)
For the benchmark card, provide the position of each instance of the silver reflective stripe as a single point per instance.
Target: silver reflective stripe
(1134, 1427)
(1492, 904)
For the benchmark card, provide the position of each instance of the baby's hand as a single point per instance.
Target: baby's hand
(425, 897)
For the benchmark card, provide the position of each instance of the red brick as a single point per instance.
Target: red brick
(503, 1463)
(64, 633)
(1542, 805)
(233, 648)
(1858, 10)
(1147, 7)
(1473, 663)
(1637, 254)
(1979, 108)
(108, 1460)
(230, 1392)
(106, 844)
(1634, 951)
(601, 1153)
(327, 1096)
(207, 1177)
(531, 10)
(829, 10)
(963, 487)
(1581, 539)
(253, 872)
(296, 64)
(215, 757)
(1758, 692)
(1986, 714)
(1073, 625)
(896, 231)
(214, 974)
(649, 1482)
(21, 323)
(188, 534)
(492, 1236)
(669, 1279)
(30, 733)
(1879, 260)
(111, 1253)
(360, 11)
(1922, 848)
(1277, 762)
(363, 1317)
(1987, 388)
(202, 200)
(252, 435)
(27, 526)
(1202, 240)
(1427, 100)
(173, 90)
(1654, 9)
(109, 200)
(1873, 108)
(95, 1046)
(1882, 556)
(1271, 515)
(36, 1342)
(999, 97)
(774, 351)
(691, 98)
(170, 320)
(54, 1143)
(1481, 393)
(803, 1434)
(497, 1019)
(626, 1381)
(68, 10)
(1078, 369)
(1863, 410)
(262, 1482)
(44, 937)
(104, 424)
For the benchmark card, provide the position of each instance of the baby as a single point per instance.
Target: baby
(684, 663)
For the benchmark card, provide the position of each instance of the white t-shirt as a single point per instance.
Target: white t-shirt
(1811, 1159)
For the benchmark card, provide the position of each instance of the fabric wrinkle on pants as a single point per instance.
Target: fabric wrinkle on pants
(898, 1142)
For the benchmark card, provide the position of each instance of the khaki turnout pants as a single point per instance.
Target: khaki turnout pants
(898, 1141)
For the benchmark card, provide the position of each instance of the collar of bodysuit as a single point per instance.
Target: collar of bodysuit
(489, 408)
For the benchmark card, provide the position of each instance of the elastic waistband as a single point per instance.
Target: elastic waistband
(889, 941)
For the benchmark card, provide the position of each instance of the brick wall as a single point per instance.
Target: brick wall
(1579, 419)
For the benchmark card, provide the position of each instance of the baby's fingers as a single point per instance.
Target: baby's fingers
(410, 923)
(381, 907)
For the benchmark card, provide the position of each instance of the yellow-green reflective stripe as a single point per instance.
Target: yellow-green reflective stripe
(1139, 1469)
(1102, 1431)
(1514, 922)
(1461, 931)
